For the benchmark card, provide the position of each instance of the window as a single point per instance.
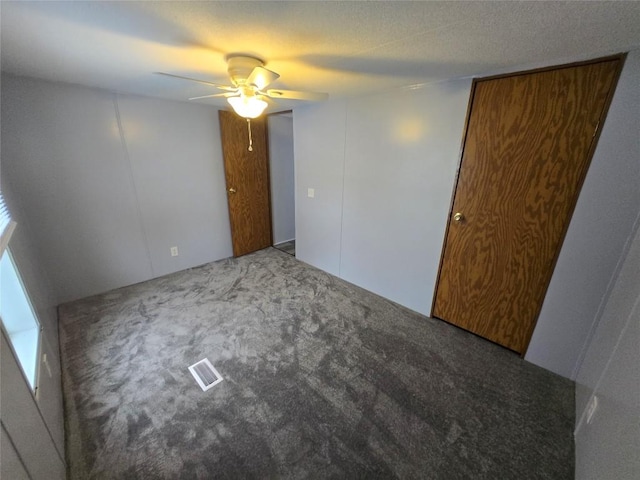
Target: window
(18, 318)
(6, 225)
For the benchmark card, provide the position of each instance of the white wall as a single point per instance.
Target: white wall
(25, 428)
(176, 159)
(609, 446)
(11, 465)
(281, 173)
(318, 142)
(109, 183)
(62, 154)
(401, 156)
(602, 222)
(382, 168)
(608, 367)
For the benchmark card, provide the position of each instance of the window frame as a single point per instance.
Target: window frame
(8, 226)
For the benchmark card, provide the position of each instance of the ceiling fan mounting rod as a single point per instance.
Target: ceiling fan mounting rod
(240, 67)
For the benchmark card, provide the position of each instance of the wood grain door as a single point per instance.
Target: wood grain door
(528, 144)
(247, 177)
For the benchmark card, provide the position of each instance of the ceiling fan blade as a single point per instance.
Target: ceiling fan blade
(295, 95)
(229, 94)
(260, 77)
(222, 87)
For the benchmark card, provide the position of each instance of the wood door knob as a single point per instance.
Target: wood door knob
(232, 190)
(458, 217)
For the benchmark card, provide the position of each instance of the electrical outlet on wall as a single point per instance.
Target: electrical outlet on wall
(174, 251)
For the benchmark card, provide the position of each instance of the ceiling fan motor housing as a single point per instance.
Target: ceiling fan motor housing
(240, 67)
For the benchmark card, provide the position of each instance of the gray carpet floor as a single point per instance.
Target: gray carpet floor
(321, 380)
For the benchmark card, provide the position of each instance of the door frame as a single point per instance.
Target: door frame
(269, 115)
(621, 57)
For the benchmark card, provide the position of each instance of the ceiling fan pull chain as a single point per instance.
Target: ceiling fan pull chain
(250, 139)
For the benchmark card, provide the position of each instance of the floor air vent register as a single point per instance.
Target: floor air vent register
(205, 374)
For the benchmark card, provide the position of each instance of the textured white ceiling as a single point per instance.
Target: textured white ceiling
(343, 48)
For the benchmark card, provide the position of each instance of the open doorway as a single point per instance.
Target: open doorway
(280, 134)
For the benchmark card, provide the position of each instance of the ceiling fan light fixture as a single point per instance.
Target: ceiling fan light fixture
(247, 106)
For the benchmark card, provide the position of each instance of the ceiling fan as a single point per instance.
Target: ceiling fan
(250, 79)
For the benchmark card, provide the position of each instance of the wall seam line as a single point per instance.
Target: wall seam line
(605, 298)
(344, 167)
(16, 450)
(127, 157)
(606, 367)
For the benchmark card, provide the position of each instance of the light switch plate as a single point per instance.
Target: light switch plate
(311, 192)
